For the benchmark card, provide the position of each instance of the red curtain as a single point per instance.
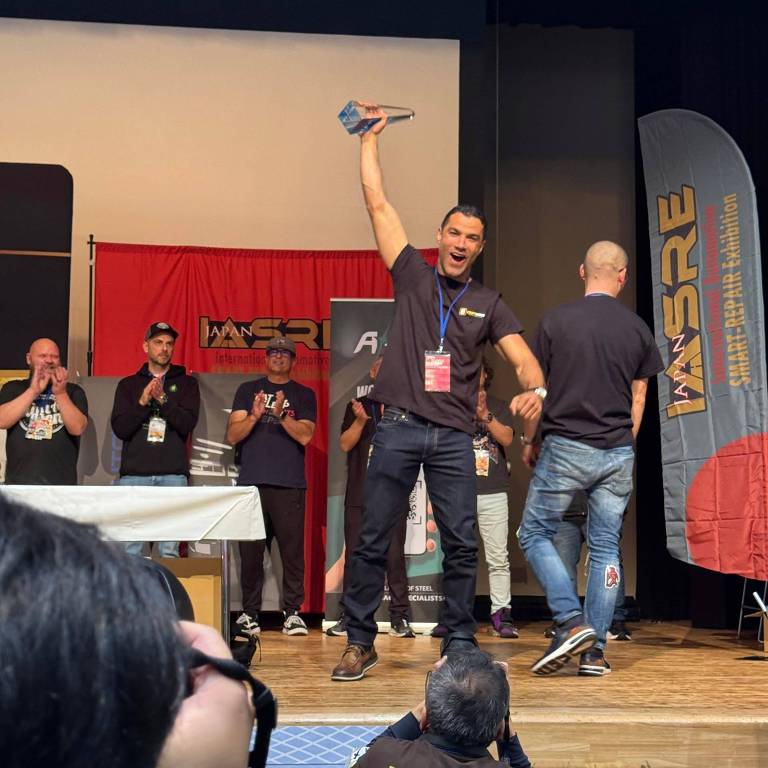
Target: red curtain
(226, 304)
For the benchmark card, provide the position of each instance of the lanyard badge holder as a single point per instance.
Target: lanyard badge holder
(437, 362)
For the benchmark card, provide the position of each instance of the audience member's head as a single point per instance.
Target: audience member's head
(92, 667)
(467, 699)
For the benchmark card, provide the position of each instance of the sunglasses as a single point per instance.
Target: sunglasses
(279, 353)
(264, 703)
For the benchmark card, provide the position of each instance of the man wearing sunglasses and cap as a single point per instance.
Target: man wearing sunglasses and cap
(272, 420)
(154, 413)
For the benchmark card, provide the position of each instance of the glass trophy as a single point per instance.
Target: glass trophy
(352, 117)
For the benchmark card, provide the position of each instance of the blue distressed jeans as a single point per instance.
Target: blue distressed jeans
(605, 475)
(164, 548)
(402, 443)
(568, 540)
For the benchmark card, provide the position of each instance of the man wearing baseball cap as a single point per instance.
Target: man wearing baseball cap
(154, 413)
(272, 420)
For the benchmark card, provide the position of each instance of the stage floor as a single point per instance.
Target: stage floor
(676, 697)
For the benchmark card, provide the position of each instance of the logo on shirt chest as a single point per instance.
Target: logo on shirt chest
(465, 312)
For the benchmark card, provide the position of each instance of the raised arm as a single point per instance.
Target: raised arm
(387, 227)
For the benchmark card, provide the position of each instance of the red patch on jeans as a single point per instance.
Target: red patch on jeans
(611, 577)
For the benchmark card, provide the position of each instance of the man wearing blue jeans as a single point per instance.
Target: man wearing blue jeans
(596, 356)
(568, 541)
(428, 385)
(154, 412)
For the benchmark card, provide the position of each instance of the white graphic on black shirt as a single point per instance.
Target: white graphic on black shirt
(482, 441)
(44, 407)
(268, 416)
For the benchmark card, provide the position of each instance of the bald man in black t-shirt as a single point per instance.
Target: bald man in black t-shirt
(428, 384)
(597, 356)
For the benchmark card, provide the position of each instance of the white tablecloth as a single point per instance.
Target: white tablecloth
(148, 513)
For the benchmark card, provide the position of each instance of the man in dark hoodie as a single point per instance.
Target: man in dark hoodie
(154, 412)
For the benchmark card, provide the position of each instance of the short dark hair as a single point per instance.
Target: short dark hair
(93, 668)
(467, 210)
(467, 698)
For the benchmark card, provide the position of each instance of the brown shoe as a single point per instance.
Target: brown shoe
(355, 662)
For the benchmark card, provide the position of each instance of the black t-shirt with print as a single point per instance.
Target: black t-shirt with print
(478, 316)
(591, 350)
(47, 461)
(497, 479)
(269, 455)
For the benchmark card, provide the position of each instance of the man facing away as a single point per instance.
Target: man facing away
(428, 384)
(272, 421)
(45, 416)
(597, 356)
(154, 413)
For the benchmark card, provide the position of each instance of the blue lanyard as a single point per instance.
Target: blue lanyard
(445, 318)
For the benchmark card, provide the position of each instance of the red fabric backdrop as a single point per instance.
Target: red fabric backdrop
(226, 304)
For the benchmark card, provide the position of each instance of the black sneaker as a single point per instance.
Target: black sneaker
(619, 631)
(401, 628)
(338, 629)
(593, 664)
(293, 624)
(567, 642)
(248, 625)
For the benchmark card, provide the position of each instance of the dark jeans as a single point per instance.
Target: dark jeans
(283, 510)
(396, 573)
(402, 443)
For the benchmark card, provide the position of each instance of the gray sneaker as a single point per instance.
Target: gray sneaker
(294, 624)
(567, 642)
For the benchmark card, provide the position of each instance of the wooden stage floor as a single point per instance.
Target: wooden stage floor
(676, 697)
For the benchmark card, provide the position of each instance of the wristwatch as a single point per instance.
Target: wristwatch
(489, 418)
(163, 399)
(540, 391)
(525, 441)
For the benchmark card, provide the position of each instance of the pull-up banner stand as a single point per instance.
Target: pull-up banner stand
(708, 313)
(358, 336)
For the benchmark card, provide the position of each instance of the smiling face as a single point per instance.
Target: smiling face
(279, 362)
(460, 241)
(43, 353)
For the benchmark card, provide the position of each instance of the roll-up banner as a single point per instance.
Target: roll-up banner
(708, 313)
(358, 335)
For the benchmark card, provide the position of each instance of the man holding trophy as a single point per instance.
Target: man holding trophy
(428, 384)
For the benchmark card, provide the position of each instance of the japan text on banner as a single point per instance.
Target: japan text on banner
(708, 313)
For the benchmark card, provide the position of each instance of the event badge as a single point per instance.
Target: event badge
(437, 363)
(437, 371)
(40, 428)
(156, 430)
(482, 461)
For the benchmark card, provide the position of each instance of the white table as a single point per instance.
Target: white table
(152, 513)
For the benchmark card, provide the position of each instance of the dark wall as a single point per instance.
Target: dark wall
(35, 245)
